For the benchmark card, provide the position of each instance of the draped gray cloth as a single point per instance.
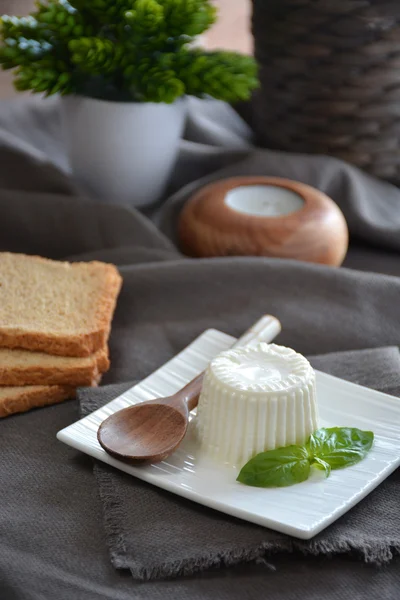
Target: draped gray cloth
(53, 543)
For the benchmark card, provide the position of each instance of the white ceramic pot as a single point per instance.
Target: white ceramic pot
(122, 153)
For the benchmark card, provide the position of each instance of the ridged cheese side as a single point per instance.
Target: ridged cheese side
(256, 399)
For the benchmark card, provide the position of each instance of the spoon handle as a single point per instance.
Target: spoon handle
(264, 330)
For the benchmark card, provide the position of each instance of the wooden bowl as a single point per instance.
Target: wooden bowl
(263, 216)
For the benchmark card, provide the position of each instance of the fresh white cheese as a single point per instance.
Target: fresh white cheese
(256, 399)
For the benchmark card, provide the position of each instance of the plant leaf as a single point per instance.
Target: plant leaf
(340, 446)
(322, 465)
(277, 468)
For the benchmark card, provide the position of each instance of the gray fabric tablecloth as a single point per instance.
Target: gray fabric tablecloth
(52, 540)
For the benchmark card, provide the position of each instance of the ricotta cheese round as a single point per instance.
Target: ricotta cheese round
(255, 399)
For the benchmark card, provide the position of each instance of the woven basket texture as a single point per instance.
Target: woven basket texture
(330, 79)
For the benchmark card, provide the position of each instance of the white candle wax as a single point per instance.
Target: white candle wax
(263, 200)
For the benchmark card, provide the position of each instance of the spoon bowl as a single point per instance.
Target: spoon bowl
(144, 432)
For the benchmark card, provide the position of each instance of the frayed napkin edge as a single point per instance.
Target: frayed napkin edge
(376, 554)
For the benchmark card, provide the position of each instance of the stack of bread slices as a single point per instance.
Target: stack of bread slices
(55, 321)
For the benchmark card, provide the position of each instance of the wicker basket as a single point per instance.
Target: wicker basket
(330, 74)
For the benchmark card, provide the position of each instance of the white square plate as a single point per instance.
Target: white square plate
(302, 510)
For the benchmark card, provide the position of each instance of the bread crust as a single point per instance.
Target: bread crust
(33, 397)
(15, 400)
(72, 375)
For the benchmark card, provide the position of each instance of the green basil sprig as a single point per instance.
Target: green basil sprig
(326, 449)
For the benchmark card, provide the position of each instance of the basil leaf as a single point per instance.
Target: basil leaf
(340, 446)
(277, 468)
(322, 465)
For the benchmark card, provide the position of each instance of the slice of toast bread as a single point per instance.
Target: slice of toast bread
(20, 399)
(22, 367)
(23, 398)
(55, 307)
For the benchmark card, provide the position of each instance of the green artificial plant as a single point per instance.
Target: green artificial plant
(131, 50)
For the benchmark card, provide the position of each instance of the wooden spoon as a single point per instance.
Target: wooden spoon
(151, 431)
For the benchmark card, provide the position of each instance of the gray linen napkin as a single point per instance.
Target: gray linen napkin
(156, 534)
